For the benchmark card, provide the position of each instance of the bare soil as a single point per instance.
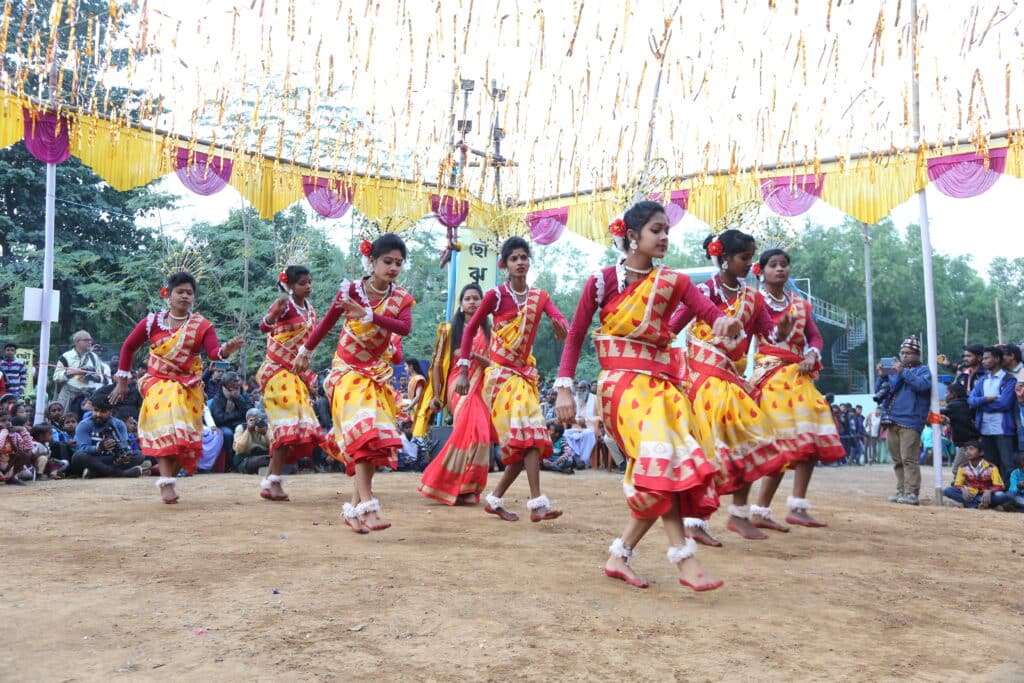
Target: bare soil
(103, 583)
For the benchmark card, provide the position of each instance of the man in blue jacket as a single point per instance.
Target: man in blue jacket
(101, 442)
(994, 401)
(905, 395)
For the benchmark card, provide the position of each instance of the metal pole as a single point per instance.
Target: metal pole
(967, 322)
(926, 258)
(999, 323)
(47, 314)
(870, 304)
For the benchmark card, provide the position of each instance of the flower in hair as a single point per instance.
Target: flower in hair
(365, 248)
(163, 292)
(282, 278)
(617, 228)
(716, 248)
(756, 270)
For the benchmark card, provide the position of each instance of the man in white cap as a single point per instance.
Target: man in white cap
(906, 394)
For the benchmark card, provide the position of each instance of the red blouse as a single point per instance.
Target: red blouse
(147, 330)
(502, 310)
(401, 325)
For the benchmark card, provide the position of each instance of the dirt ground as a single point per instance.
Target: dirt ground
(102, 582)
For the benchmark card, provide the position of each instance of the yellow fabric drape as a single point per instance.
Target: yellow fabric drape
(12, 121)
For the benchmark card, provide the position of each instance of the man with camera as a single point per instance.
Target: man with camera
(79, 372)
(903, 392)
(252, 446)
(101, 443)
(229, 408)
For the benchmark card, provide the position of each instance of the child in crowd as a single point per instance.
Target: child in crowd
(15, 447)
(561, 458)
(978, 484)
(7, 402)
(1016, 490)
(47, 465)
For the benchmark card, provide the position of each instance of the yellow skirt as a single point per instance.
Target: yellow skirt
(733, 429)
(650, 419)
(291, 422)
(365, 415)
(802, 419)
(516, 415)
(171, 422)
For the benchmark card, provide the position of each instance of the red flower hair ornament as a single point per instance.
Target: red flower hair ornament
(617, 228)
(716, 248)
(163, 292)
(365, 248)
(756, 270)
(282, 278)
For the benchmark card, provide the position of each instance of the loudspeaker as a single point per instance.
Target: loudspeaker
(437, 437)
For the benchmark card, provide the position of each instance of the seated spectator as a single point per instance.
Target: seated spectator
(548, 406)
(101, 442)
(21, 410)
(1016, 490)
(44, 456)
(15, 449)
(55, 414)
(409, 458)
(7, 402)
(561, 458)
(252, 447)
(977, 484)
(70, 425)
(229, 408)
(212, 378)
(961, 422)
(131, 404)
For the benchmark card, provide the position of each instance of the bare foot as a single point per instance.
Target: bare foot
(502, 513)
(373, 522)
(803, 518)
(617, 568)
(691, 574)
(767, 523)
(277, 491)
(356, 525)
(468, 499)
(744, 528)
(541, 514)
(703, 537)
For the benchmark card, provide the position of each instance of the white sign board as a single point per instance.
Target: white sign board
(33, 311)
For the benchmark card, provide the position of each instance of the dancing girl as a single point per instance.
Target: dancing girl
(170, 425)
(510, 381)
(363, 404)
(668, 475)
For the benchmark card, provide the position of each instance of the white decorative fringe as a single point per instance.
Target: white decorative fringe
(562, 383)
(348, 511)
(678, 553)
(494, 502)
(764, 513)
(741, 511)
(695, 523)
(271, 479)
(372, 505)
(798, 504)
(165, 481)
(537, 503)
(619, 549)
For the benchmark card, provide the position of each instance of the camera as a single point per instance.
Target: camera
(92, 377)
(260, 423)
(121, 451)
(882, 392)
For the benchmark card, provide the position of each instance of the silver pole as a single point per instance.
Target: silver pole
(999, 323)
(870, 305)
(46, 313)
(926, 258)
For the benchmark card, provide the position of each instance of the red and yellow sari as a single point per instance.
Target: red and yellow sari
(364, 405)
(642, 404)
(442, 374)
(730, 425)
(510, 382)
(461, 466)
(802, 419)
(171, 417)
(291, 422)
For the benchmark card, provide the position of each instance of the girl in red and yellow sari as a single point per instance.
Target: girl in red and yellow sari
(731, 427)
(415, 390)
(642, 405)
(364, 405)
(171, 418)
(510, 381)
(784, 385)
(293, 429)
(458, 474)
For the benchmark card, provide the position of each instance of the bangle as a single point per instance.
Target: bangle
(302, 352)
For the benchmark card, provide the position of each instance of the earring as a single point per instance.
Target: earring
(724, 266)
(633, 245)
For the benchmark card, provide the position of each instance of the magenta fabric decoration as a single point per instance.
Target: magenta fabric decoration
(329, 198)
(675, 207)
(46, 136)
(791, 195)
(450, 211)
(202, 173)
(965, 175)
(548, 225)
